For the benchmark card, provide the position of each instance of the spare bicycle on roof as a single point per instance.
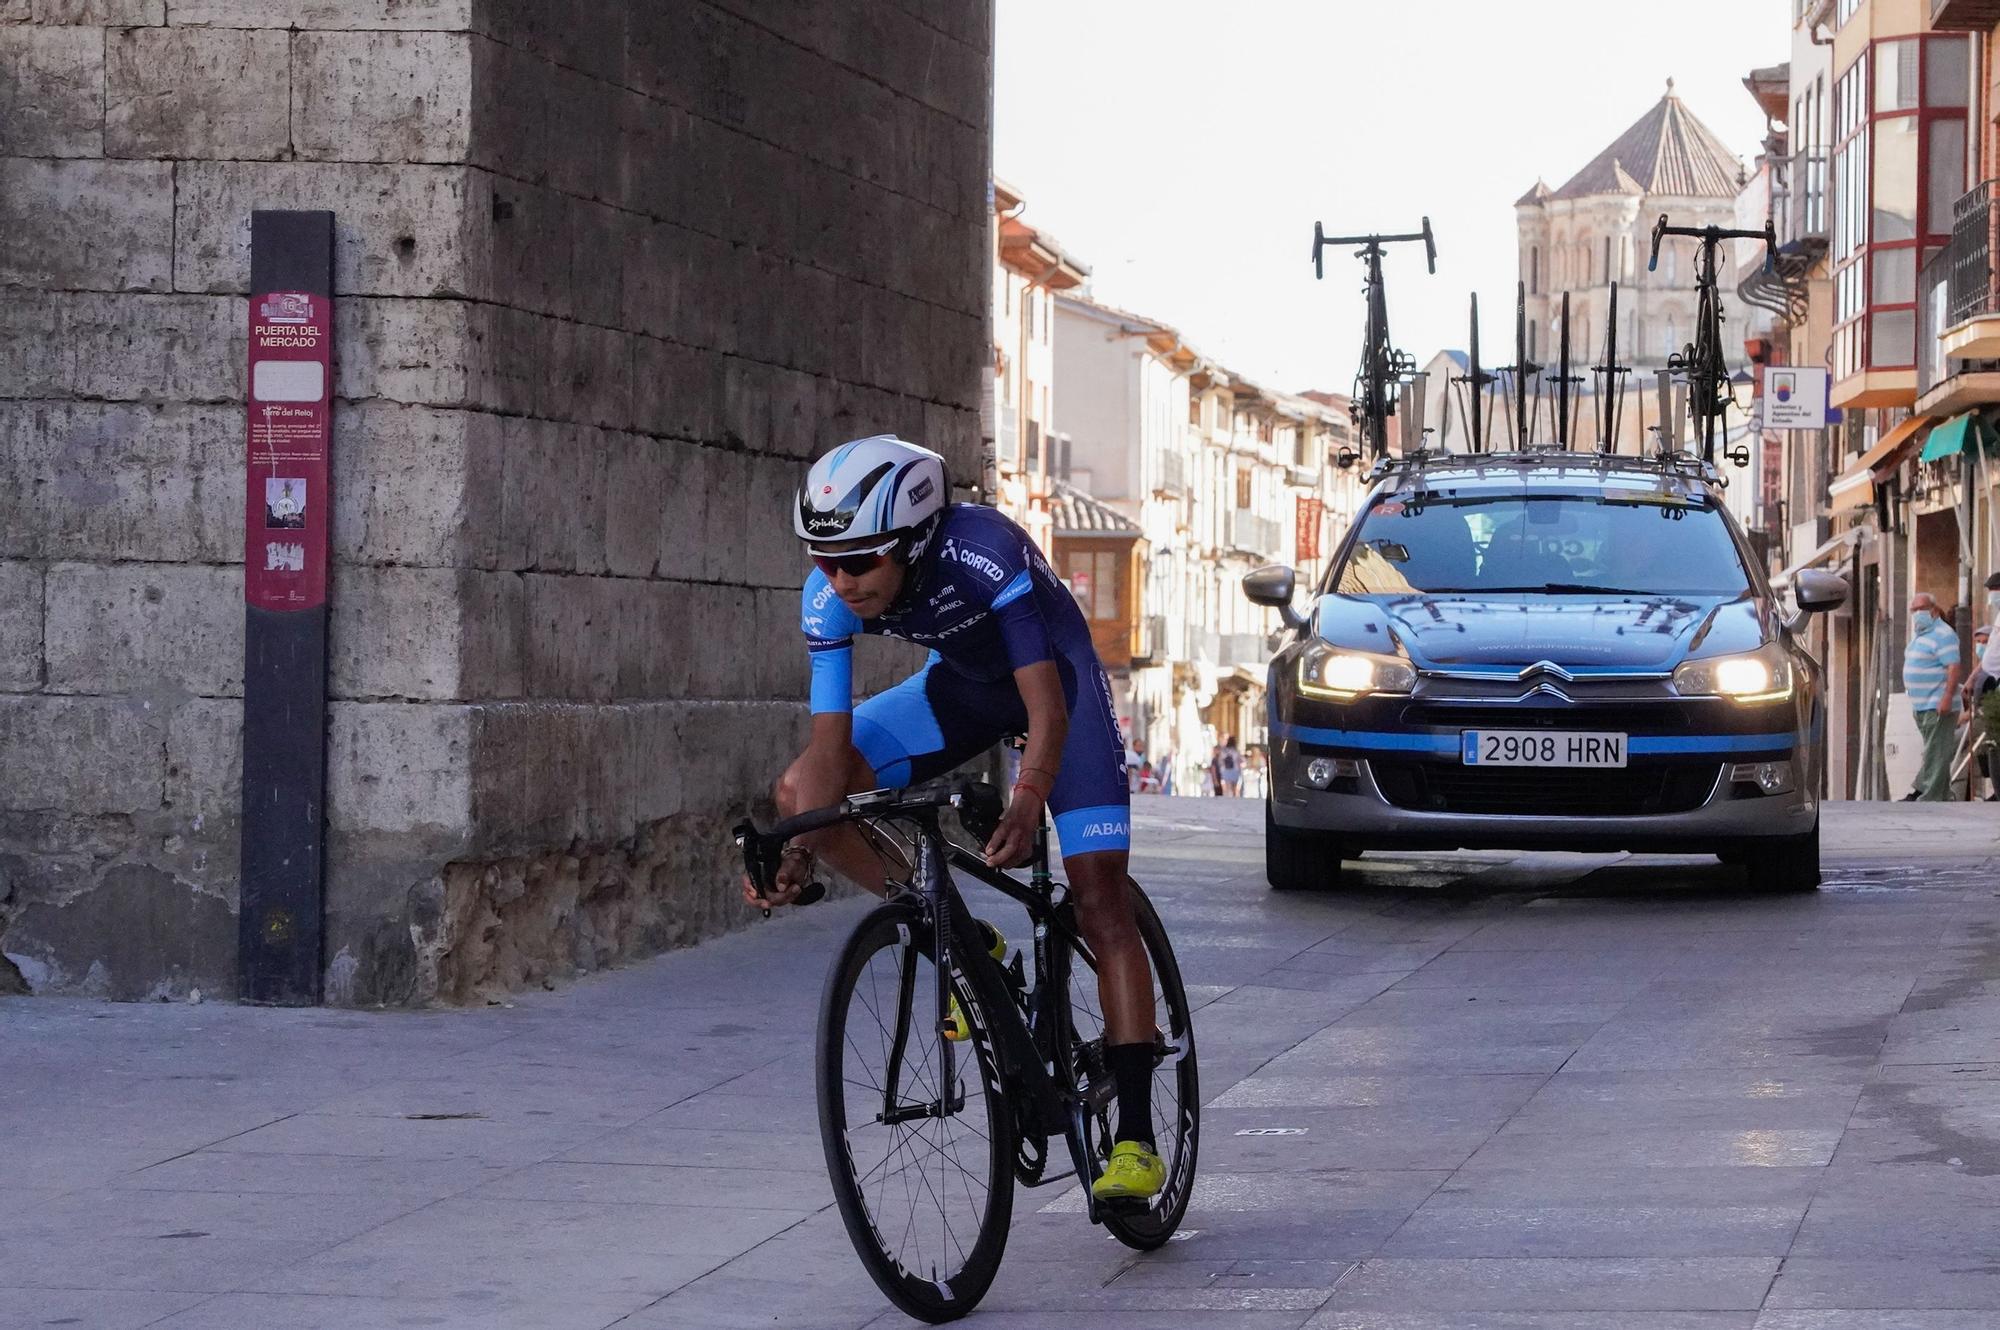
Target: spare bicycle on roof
(1387, 381)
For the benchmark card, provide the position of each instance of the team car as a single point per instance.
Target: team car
(1545, 650)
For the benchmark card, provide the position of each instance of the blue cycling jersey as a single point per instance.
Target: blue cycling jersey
(986, 603)
(984, 599)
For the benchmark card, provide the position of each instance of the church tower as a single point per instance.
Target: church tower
(1598, 227)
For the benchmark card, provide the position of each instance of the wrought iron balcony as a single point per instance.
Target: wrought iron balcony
(1964, 15)
(1958, 313)
(1969, 258)
(1799, 207)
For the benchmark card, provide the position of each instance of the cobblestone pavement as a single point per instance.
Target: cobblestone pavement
(1540, 1092)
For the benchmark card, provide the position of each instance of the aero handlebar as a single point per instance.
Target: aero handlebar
(1711, 235)
(1321, 240)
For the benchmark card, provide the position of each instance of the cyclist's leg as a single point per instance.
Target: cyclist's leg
(923, 727)
(844, 848)
(1091, 804)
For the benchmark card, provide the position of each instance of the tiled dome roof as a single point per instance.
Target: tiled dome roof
(1668, 151)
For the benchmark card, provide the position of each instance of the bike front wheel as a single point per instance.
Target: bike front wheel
(919, 1144)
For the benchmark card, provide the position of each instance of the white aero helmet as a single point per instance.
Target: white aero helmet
(879, 486)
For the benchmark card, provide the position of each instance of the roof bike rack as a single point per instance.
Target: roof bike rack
(1611, 384)
(1472, 387)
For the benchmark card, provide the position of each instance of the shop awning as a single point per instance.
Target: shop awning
(1949, 439)
(1855, 487)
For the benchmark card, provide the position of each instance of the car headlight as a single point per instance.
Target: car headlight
(1341, 675)
(1763, 675)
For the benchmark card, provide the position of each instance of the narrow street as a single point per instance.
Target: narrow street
(1472, 1091)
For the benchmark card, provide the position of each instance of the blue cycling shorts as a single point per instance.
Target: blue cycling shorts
(938, 718)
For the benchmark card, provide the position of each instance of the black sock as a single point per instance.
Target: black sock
(1132, 1068)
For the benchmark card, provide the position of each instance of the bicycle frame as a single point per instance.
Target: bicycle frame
(1383, 367)
(1023, 1056)
(1701, 364)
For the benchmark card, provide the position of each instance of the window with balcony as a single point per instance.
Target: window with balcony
(1899, 116)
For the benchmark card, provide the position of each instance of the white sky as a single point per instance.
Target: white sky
(1184, 148)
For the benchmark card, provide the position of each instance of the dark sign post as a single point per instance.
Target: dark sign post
(287, 519)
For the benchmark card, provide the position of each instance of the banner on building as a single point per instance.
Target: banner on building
(1312, 514)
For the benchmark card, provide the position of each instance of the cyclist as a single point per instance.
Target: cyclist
(1010, 653)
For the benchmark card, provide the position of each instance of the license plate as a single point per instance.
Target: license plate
(1542, 748)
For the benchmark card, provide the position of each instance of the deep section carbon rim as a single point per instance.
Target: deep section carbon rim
(921, 1161)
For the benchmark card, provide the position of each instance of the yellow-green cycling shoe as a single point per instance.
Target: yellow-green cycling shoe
(956, 1026)
(1134, 1173)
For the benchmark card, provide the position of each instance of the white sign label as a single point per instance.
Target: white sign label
(1795, 398)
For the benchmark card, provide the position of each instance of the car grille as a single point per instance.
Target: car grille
(1522, 791)
(1631, 718)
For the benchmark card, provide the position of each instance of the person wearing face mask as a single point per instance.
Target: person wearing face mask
(1930, 677)
(1982, 690)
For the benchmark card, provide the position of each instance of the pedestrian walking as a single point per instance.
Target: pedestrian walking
(1982, 690)
(1229, 768)
(1930, 677)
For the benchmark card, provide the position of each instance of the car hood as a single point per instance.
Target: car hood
(1581, 633)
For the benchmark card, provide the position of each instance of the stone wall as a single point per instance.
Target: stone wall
(608, 273)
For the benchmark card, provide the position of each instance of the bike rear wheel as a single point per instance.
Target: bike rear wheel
(921, 1163)
(1176, 1084)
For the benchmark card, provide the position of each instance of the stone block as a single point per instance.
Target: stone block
(573, 624)
(326, 15)
(144, 629)
(86, 225)
(407, 232)
(636, 484)
(82, 756)
(657, 628)
(101, 13)
(603, 242)
(196, 93)
(418, 352)
(110, 481)
(727, 644)
(399, 771)
(394, 634)
(165, 348)
(204, 774)
(769, 554)
(553, 505)
(382, 96)
(401, 476)
(725, 507)
(14, 11)
(493, 630)
(530, 235)
(677, 391)
(52, 96)
(587, 35)
(20, 627)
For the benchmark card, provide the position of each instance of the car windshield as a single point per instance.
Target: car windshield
(1648, 545)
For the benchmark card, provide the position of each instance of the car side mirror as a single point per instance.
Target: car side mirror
(1274, 585)
(1817, 591)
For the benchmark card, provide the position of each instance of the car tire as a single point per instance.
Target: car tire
(1785, 865)
(1299, 860)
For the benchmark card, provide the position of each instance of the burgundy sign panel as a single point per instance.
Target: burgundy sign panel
(291, 425)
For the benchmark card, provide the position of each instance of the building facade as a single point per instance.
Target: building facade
(1029, 269)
